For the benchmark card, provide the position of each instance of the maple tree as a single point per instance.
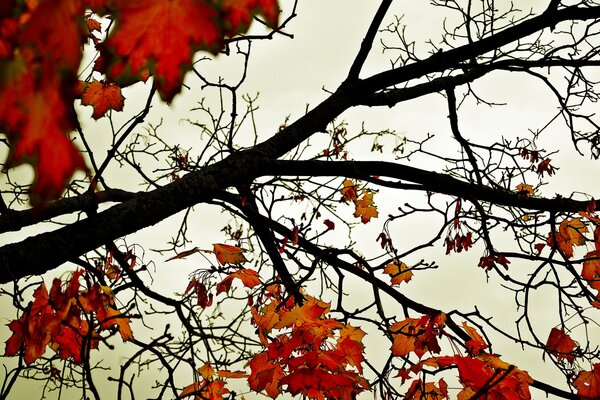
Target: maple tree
(288, 260)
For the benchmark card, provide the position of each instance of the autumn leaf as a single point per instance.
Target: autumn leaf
(248, 277)
(349, 191)
(207, 390)
(238, 14)
(398, 273)
(417, 335)
(476, 344)
(206, 371)
(102, 97)
(265, 375)
(227, 254)
(161, 36)
(591, 269)
(111, 317)
(420, 390)
(488, 373)
(223, 373)
(204, 298)
(525, 190)
(587, 383)
(570, 234)
(561, 345)
(365, 208)
(37, 120)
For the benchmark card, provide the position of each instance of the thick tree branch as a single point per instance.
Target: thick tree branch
(430, 181)
(39, 254)
(15, 220)
(367, 43)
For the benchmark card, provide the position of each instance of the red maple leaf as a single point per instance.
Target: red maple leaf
(561, 345)
(238, 13)
(588, 383)
(161, 36)
(102, 97)
(36, 118)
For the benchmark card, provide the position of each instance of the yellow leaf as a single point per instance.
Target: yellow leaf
(398, 273)
(525, 190)
(365, 209)
(349, 191)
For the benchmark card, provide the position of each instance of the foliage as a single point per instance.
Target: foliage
(311, 288)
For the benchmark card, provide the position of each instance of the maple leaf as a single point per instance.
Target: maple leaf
(227, 254)
(308, 312)
(570, 234)
(525, 190)
(588, 383)
(476, 344)
(36, 118)
(561, 345)
(161, 36)
(420, 390)
(206, 371)
(349, 191)
(265, 375)
(398, 273)
(417, 335)
(111, 317)
(365, 208)
(208, 390)
(248, 277)
(56, 32)
(591, 269)
(489, 374)
(238, 14)
(102, 97)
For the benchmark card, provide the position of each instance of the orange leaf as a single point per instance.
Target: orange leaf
(204, 298)
(525, 190)
(476, 344)
(208, 390)
(588, 383)
(570, 234)
(427, 391)
(206, 371)
(591, 269)
(102, 97)
(115, 317)
(265, 375)
(232, 374)
(365, 208)
(349, 191)
(398, 273)
(561, 345)
(248, 277)
(227, 254)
